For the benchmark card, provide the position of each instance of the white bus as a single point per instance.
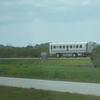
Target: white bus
(71, 48)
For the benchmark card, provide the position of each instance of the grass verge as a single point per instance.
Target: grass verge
(80, 70)
(11, 93)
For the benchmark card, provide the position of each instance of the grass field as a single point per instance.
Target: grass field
(80, 70)
(10, 93)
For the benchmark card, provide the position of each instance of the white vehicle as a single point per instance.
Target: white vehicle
(71, 48)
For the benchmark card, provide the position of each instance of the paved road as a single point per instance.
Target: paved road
(60, 86)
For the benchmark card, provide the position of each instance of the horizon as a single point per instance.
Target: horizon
(46, 42)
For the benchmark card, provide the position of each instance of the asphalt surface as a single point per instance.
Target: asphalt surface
(59, 86)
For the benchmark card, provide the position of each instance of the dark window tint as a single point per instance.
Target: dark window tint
(76, 46)
(54, 47)
(70, 46)
(80, 46)
(63, 46)
(67, 46)
(60, 46)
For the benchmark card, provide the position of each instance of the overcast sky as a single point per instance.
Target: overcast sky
(24, 22)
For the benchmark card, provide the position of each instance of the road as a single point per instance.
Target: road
(60, 86)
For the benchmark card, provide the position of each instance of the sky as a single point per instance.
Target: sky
(29, 22)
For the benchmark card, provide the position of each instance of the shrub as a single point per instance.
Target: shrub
(95, 56)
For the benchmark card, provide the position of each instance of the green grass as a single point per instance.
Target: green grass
(80, 70)
(10, 93)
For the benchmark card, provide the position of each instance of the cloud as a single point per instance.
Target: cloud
(42, 3)
(48, 10)
(86, 2)
(50, 4)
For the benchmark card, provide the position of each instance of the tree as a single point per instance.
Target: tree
(95, 56)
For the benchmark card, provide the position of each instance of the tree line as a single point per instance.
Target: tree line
(28, 51)
(35, 51)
